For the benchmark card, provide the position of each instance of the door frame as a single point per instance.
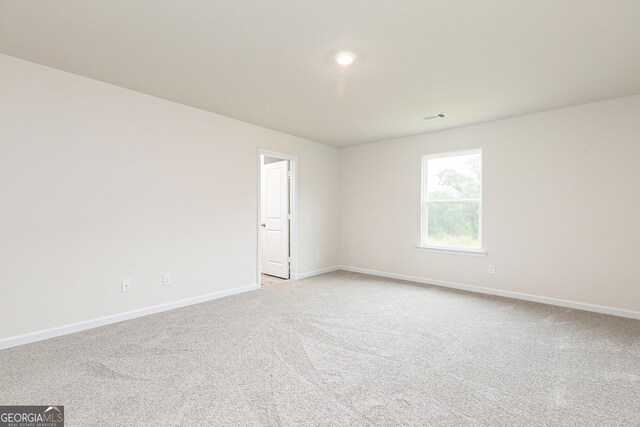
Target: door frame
(293, 210)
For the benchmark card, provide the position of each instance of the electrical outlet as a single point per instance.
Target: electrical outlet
(491, 269)
(126, 285)
(166, 279)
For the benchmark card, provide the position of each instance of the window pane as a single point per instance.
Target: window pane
(454, 177)
(454, 224)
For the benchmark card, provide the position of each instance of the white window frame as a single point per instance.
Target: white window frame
(424, 245)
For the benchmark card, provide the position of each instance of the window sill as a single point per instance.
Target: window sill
(468, 252)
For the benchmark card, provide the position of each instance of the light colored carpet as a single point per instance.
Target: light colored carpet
(265, 279)
(341, 349)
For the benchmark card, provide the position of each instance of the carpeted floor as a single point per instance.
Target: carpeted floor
(265, 279)
(341, 349)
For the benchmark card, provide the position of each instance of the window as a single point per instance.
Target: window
(452, 200)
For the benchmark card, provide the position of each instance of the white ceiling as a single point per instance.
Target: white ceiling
(268, 62)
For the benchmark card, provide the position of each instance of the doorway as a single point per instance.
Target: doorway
(276, 217)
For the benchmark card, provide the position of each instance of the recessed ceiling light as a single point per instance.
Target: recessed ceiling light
(345, 58)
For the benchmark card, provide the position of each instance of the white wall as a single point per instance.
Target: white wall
(268, 160)
(561, 205)
(101, 183)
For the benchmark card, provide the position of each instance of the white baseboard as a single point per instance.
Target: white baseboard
(115, 318)
(107, 320)
(500, 292)
(316, 272)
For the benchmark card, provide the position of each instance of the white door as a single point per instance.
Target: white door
(274, 223)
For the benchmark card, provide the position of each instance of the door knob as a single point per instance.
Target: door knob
(263, 225)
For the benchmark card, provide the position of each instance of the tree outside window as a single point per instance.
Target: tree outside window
(452, 200)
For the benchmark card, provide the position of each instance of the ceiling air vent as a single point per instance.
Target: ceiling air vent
(434, 116)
